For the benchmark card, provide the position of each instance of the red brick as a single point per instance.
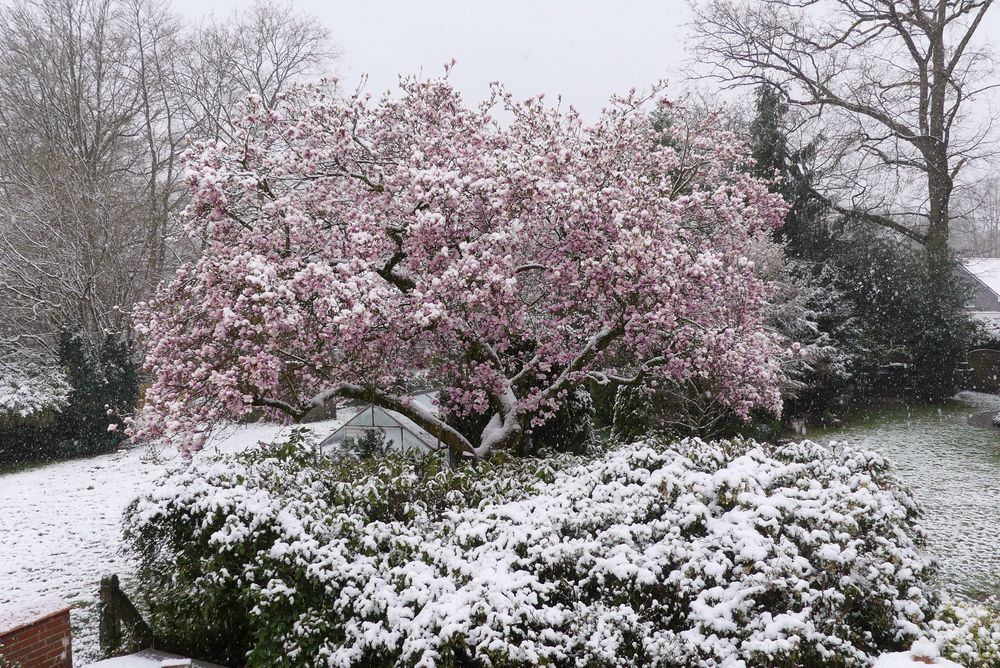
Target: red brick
(38, 643)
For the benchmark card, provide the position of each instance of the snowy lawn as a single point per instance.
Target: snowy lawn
(60, 525)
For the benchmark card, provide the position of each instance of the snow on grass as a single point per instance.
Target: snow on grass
(60, 525)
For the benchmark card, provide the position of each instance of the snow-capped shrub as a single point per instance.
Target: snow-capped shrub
(30, 390)
(689, 554)
(996, 420)
(986, 333)
(71, 406)
(32, 400)
(969, 634)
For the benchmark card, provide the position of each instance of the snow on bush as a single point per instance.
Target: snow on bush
(729, 553)
(29, 390)
(987, 331)
(969, 634)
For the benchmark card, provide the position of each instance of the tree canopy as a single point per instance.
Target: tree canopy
(354, 247)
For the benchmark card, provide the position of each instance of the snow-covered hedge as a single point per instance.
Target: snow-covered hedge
(686, 554)
(969, 634)
(29, 390)
(986, 332)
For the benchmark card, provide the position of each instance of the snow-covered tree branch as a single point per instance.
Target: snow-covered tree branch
(352, 243)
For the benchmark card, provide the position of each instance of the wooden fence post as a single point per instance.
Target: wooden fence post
(117, 613)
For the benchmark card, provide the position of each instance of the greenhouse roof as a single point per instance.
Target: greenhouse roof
(401, 432)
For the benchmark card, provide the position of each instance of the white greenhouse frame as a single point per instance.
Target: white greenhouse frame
(401, 433)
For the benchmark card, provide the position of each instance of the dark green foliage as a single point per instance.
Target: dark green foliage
(672, 410)
(910, 309)
(833, 338)
(24, 442)
(804, 230)
(633, 413)
(372, 444)
(570, 429)
(891, 303)
(121, 375)
(81, 422)
(104, 386)
(602, 395)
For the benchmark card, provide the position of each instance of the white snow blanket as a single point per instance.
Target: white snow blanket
(923, 653)
(61, 524)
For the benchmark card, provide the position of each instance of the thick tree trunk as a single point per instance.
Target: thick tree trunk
(939, 188)
(935, 146)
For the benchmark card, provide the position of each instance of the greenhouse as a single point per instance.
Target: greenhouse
(401, 433)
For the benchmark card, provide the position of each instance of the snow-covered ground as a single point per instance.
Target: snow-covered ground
(60, 525)
(953, 468)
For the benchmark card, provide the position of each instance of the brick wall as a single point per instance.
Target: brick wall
(37, 635)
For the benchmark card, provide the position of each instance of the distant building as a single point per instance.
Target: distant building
(984, 306)
(985, 274)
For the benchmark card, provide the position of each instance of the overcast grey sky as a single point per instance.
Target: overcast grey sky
(584, 50)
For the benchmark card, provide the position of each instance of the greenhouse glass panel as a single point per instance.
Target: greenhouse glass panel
(412, 442)
(381, 418)
(400, 433)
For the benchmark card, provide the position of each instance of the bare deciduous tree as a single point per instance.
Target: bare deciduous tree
(98, 98)
(260, 52)
(976, 227)
(67, 247)
(890, 82)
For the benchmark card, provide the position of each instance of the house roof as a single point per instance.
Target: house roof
(986, 270)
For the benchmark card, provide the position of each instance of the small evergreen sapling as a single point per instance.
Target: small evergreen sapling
(372, 443)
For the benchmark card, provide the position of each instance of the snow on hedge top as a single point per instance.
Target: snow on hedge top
(695, 554)
(31, 389)
(923, 653)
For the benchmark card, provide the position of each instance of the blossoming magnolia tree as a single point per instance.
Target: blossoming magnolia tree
(351, 245)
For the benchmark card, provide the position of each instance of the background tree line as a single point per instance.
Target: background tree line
(862, 112)
(98, 101)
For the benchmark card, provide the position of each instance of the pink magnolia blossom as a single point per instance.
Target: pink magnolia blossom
(353, 244)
